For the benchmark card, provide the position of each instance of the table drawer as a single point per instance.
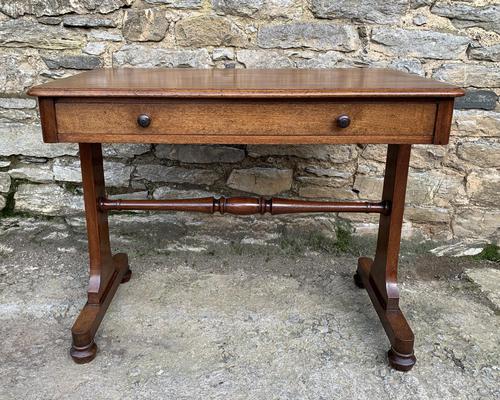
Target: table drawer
(237, 118)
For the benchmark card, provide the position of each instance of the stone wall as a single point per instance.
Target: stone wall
(454, 191)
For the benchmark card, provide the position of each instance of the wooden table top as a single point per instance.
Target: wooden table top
(297, 83)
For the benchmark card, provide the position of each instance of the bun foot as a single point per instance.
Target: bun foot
(401, 362)
(358, 281)
(127, 276)
(83, 355)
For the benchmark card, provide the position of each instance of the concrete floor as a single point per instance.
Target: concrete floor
(217, 319)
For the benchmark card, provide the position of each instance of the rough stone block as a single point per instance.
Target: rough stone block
(88, 21)
(32, 172)
(178, 3)
(374, 11)
(27, 33)
(437, 187)
(327, 192)
(418, 43)
(465, 15)
(318, 36)
(147, 57)
(476, 123)
(115, 174)
(3, 202)
(200, 154)
(123, 150)
(209, 30)
(476, 75)
(332, 153)
(263, 59)
(487, 53)
(47, 199)
(483, 153)
(243, 8)
(477, 221)
(161, 173)
(262, 181)
(145, 25)
(477, 99)
(4, 182)
(368, 187)
(483, 187)
(428, 215)
(27, 140)
(72, 61)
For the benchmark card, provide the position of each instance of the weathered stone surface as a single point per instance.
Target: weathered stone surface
(488, 53)
(223, 53)
(115, 174)
(17, 103)
(487, 279)
(3, 202)
(4, 182)
(72, 62)
(419, 20)
(332, 153)
(263, 181)
(318, 36)
(328, 59)
(105, 35)
(476, 123)
(437, 187)
(418, 43)
(27, 140)
(428, 215)
(263, 59)
(209, 30)
(375, 11)
(329, 172)
(20, 70)
(465, 15)
(145, 25)
(427, 157)
(50, 20)
(477, 221)
(147, 57)
(5, 163)
(122, 150)
(95, 48)
(88, 21)
(178, 3)
(167, 192)
(483, 153)
(420, 3)
(368, 187)
(26, 33)
(327, 192)
(32, 172)
(200, 154)
(477, 99)
(244, 8)
(161, 173)
(47, 199)
(483, 187)
(333, 181)
(481, 76)
(17, 8)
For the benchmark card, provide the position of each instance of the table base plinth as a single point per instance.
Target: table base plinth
(398, 331)
(84, 349)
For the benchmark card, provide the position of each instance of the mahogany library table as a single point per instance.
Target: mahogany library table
(238, 106)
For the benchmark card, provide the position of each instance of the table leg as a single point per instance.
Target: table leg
(106, 271)
(379, 276)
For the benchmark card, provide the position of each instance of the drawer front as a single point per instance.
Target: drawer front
(215, 117)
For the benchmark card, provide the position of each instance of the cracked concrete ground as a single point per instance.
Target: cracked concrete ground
(210, 317)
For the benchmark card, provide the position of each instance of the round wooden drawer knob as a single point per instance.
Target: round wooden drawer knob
(343, 121)
(144, 120)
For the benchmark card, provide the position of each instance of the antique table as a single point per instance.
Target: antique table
(237, 106)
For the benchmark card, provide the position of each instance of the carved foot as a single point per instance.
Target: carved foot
(358, 281)
(401, 362)
(83, 355)
(127, 276)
